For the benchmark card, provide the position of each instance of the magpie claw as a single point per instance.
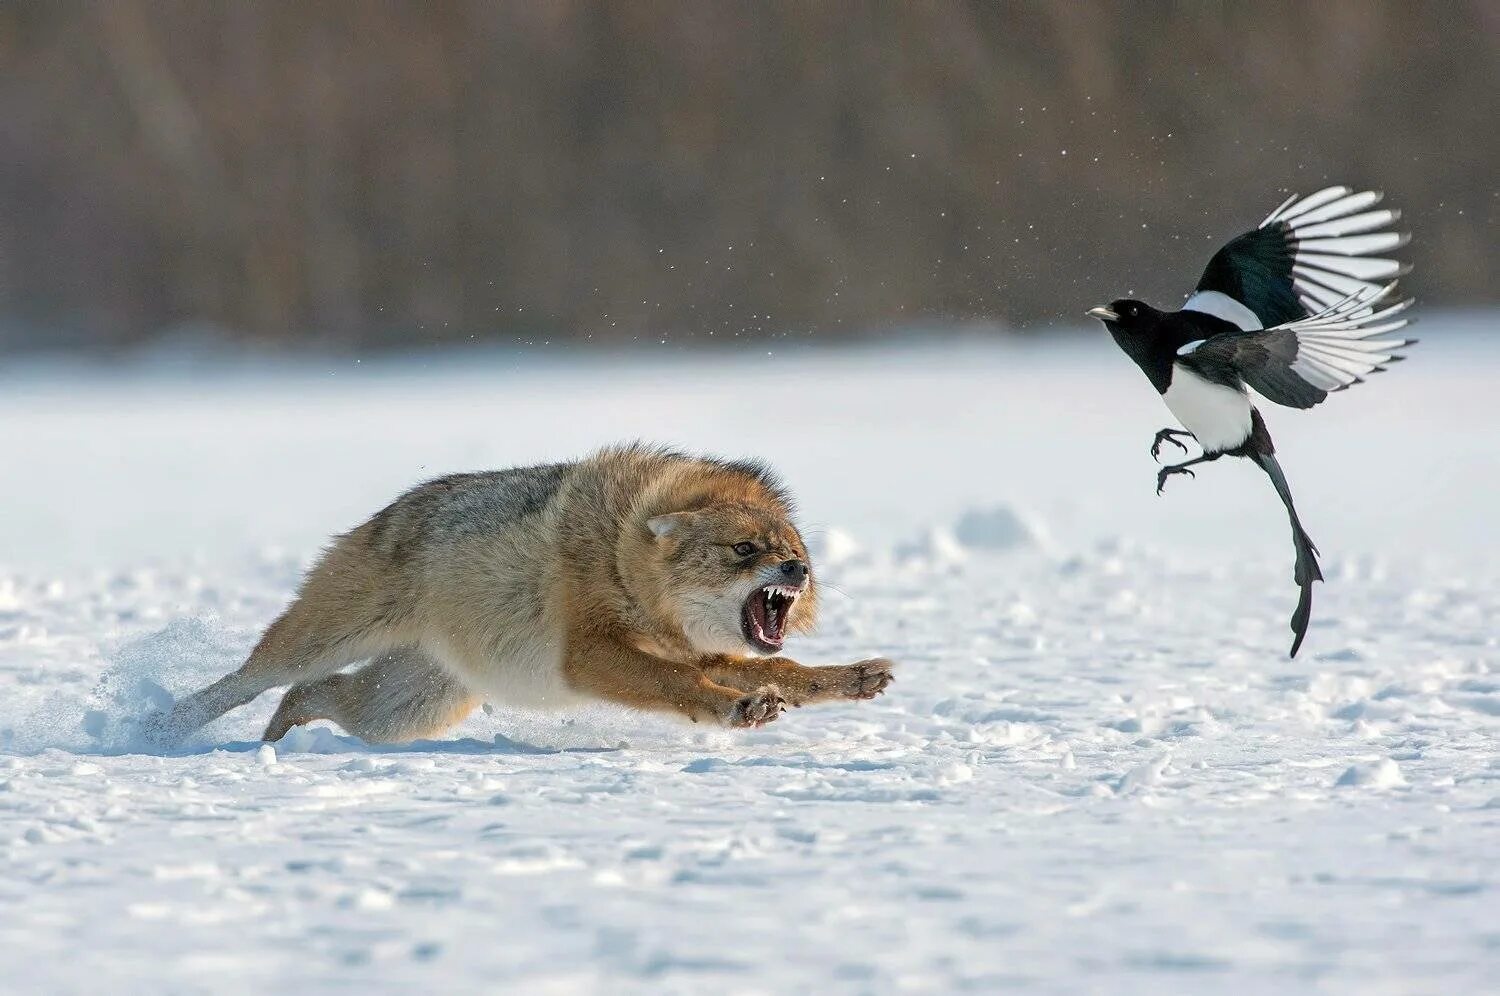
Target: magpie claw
(1168, 471)
(1166, 436)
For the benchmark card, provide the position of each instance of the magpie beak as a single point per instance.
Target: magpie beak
(1103, 314)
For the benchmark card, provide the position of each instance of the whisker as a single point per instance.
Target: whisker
(834, 587)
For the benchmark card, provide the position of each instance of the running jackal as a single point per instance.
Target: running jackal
(637, 576)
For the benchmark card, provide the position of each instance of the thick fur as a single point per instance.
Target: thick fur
(613, 578)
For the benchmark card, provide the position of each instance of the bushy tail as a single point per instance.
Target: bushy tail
(1306, 570)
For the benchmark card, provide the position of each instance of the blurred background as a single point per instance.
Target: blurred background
(363, 176)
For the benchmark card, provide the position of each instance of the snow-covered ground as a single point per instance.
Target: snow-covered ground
(1096, 772)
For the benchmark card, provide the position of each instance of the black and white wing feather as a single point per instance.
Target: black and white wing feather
(1309, 254)
(1299, 363)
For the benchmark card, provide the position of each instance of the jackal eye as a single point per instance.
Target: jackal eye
(743, 549)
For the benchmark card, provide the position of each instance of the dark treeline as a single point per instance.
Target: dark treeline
(403, 173)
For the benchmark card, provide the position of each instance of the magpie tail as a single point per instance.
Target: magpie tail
(1306, 570)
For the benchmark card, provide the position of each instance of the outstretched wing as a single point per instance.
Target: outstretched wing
(1310, 254)
(1300, 363)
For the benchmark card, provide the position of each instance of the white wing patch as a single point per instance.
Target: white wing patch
(1335, 244)
(1189, 349)
(1221, 305)
(1339, 346)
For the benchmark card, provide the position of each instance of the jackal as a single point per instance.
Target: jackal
(638, 576)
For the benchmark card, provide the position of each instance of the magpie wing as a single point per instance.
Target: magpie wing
(1307, 256)
(1299, 363)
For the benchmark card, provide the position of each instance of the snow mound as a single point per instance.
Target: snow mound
(999, 527)
(995, 529)
(936, 547)
(1383, 773)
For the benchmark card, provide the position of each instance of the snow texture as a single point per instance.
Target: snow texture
(1097, 770)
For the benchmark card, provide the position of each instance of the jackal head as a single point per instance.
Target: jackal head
(733, 577)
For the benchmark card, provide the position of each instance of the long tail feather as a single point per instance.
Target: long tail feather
(1306, 570)
(1301, 616)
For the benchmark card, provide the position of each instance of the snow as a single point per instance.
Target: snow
(1097, 771)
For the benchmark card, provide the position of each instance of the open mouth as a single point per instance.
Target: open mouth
(765, 615)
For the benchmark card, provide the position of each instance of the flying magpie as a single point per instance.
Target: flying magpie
(1294, 309)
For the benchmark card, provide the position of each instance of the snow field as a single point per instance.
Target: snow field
(1096, 771)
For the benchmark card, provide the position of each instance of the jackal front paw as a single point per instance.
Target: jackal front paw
(758, 708)
(862, 680)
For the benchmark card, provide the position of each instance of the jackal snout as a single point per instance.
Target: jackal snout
(795, 571)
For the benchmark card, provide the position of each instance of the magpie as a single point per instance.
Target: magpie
(1295, 310)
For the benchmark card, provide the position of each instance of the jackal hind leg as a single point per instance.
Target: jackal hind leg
(402, 696)
(312, 639)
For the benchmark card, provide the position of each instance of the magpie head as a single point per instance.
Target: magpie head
(1127, 318)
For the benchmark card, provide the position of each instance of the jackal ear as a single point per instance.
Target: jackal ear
(670, 524)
